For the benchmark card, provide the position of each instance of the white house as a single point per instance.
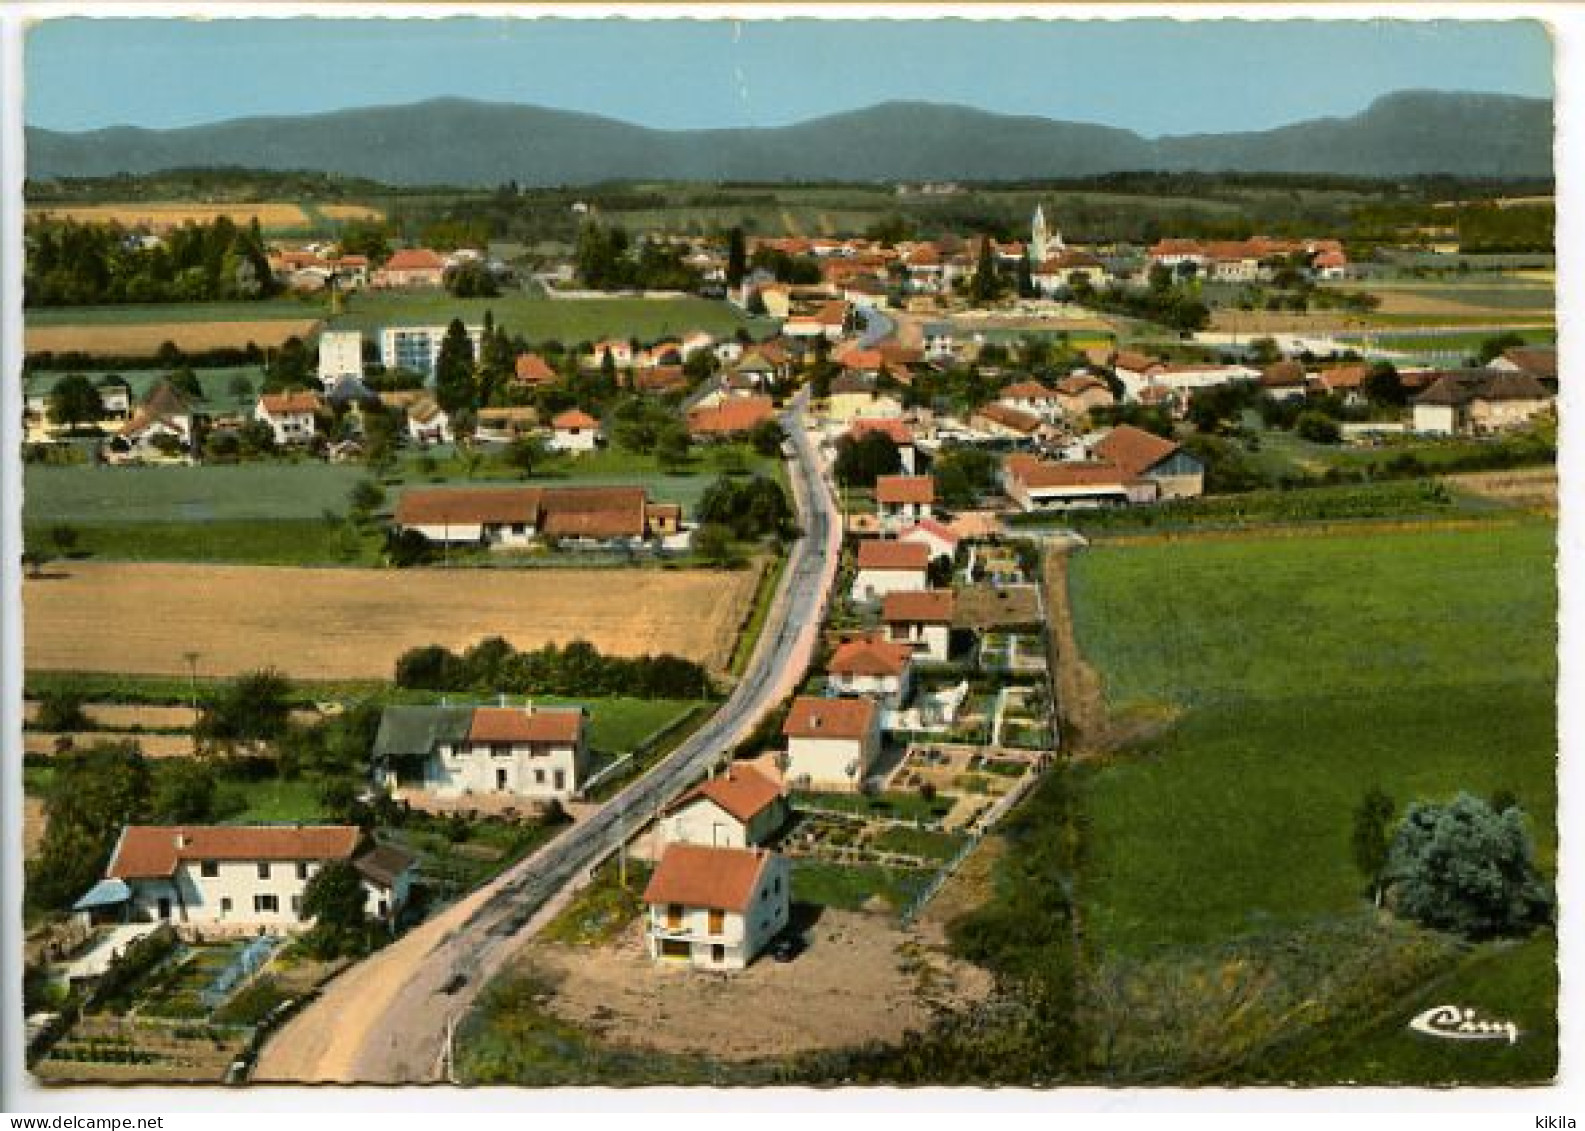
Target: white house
(871, 666)
(738, 808)
(1032, 397)
(888, 567)
(1480, 402)
(923, 621)
(831, 743)
(340, 355)
(428, 423)
(233, 877)
(516, 517)
(903, 500)
(537, 753)
(163, 420)
(901, 435)
(939, 339)
(1038, 485)
(574, 431)
(715, 908)
(291, 416)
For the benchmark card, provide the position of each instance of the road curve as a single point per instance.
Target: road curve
(385, 1020)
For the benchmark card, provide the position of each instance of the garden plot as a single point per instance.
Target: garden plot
(1023, 719)
(1021, 652)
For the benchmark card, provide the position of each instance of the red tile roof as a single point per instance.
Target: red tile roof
(742, 791)
(876, 553)
(516, 724)
(573, 418)
(468, 506)
(1014, 419)
(1027, 391)
(928, 606)
(414, 259)
(870, 656)
(155, 850)
(930, 526)
(1133, 449)
(1036, 474)
(719, 879)
(829, 718)
(285, 404)
(900, 433)
(534, 370)
(731, 415)
(900, 489)
(593, 512)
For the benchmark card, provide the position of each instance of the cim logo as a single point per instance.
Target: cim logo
(1453, 1023)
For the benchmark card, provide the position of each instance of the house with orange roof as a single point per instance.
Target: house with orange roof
(1176, 473)
(939, 538)
(540, 754)
(411, 267)
(531, 371)
(242, 878)
(574, 431)
(997, 419)
(739, 807)
(903, 500)
(730, 416)
(1044, 485)
(715, 908)
(516, 517)
(831, 743)
(291, 417)
(1080, 393)
(1032, 397)
(427, 422)
(887, 566)
(922, 621)
(873, 666)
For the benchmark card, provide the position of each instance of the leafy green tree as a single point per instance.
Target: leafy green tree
(405, 548)
(862, 460)
(1464, 867)
(526, 453)
(93, 794)
(1372, 838)
(335, 900)
(365, 497)
(767, 437)
(74, 401)
(713, 543)
(184, 791)
(1495, 347)
(454, 387)
(1383, 386)
(1318, 428)
(61, 710)
(290, 367)
(962, 474)
(672, 447)
(986, 283)
(472, 280)
(254, 707)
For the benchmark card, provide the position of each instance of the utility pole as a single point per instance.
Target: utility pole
(192, 692)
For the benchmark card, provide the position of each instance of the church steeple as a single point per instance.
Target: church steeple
(1038, 237)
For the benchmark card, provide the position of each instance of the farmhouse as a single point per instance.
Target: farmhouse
(997, 419)
(242, 877)
(1060, 271)
(831, 743)
(427, 422)
(518, 516)
(1031, 397)
(1079, 393)
(730, 416)
(161, 425)
(738, 808)
(1039, 485)
(1480, 402)
(1141, 454)
(922, 621)
(504, 425)
(1539, 362)
(530, 371)
(715, 908)
(889, 567)
(574, 431)
(290, 416)
(537, 753)
(1285, 380)
(871, 666)
(411, 267)
(902, 500)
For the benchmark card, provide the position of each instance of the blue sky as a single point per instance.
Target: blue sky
(1153, 76)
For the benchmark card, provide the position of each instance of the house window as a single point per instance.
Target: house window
(717, 922)
(775, 885)
(266, 903)
(209, 869)
(561, 779)
(225, 905)
(673, 915)
(297, 906)
(539, 777)
(302, 869)
(264, 871)
(718, 953)
(675, 948)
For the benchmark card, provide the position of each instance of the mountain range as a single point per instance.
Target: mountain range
(462, 142)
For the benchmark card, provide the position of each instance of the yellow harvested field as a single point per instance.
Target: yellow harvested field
(351, 212)
(33, 825)
(354, 623)
(146, 338)
(38, 743)
(173, 214)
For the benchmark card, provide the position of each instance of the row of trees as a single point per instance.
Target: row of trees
(72, 264)
(606, 260)
(579, 669)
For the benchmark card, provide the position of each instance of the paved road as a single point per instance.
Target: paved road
(386, 1020)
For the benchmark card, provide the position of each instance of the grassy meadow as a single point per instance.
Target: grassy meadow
(1419, 661)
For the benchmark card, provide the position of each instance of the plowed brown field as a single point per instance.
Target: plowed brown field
(353, 624)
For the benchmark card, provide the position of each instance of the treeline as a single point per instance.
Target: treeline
(222, 182)
(579, 669)
(1488, 228)
(607, 260)
(72, 264)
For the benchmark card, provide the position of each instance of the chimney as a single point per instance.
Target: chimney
(182, 839)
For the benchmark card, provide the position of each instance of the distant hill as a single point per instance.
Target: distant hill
(455, 141)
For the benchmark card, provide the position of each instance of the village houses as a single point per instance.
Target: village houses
(886, 566)
(923, 621)
(739, 807)
(537, 753)
(831, 743)
(715, 908)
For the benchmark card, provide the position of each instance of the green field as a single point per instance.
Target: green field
(265, 310)
(1420, 662)
(186, 494)
(566, 320)
(849, 887)
(284, 542)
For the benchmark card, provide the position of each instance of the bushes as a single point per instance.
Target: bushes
(493, 665)
(61, 711)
